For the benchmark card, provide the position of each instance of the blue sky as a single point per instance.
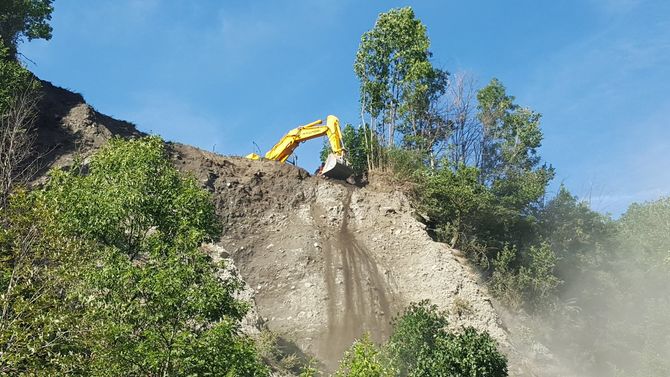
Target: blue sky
(222, 74)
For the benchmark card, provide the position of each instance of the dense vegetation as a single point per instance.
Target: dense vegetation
(421, 347)
(21, 19)
(471, 157)
(101, 271)
(102, 274)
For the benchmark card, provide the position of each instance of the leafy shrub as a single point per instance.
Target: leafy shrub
(574, 232)
(41, 319)
(644, 227)
(141, 298)
(420, 346)
(530, 283)
(414, 334)
(405, 164)
(471, 354)
(154, 301)
(363, 359)
(455, 200)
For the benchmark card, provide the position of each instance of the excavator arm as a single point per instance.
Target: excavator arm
(285, 147)
(335, 165)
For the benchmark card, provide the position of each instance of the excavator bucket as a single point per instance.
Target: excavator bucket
(336, 168)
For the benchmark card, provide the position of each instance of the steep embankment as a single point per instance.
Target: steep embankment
(326, 261)
(329, 261)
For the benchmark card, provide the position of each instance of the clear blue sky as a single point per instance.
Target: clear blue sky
(221, 74)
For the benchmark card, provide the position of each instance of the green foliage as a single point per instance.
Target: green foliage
(309, 370)
(405, 164)
(356, 148)
(414, 335)
(575, 233)
(391, 55)
(470, 353)
(14, 80)
(615, 319)
(630, 292)
(41, 322)
(397, 79)
(24, 19)
(140, 297)
(363, 359)
(455, 200)
(644, 227)
(530, 284)
(154, 300)
(509, 161)
(494, 202)
(491, 195)
(420, 346)
(354, 142)
(133, 199)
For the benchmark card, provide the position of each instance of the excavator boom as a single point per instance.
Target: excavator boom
(334, 167)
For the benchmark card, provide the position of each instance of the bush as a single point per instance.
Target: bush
(574, 232)
(530, 283)
(41, 318)
(405, 164)
(414, 335)
(471, 354)
(455, 200)
(363, 359)
(420, 346)
(141, 297)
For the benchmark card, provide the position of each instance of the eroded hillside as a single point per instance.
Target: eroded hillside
(329, 261)
(325, 261)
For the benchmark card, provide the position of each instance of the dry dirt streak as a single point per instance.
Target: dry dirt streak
(363, 304)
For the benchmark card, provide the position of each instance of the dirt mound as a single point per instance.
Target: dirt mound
(67, 126)
(325, 261)
(329, 261)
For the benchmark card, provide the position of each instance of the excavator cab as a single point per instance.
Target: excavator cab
(335, 166)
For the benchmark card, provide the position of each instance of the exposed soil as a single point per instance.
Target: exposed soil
(329, 261)
(358, 296)
(67, 126)
(323, 260)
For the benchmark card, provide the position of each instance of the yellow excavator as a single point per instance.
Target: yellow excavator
(335, 165)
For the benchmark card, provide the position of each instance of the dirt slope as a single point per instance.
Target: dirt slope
(325, 261)
(67, 126)
(329, 261)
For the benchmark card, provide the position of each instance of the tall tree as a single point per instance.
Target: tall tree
(397, 80)
(21, 19)
(509, 161)
(463, 145)
(18, 103)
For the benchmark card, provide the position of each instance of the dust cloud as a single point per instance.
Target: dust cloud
(613, 319)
